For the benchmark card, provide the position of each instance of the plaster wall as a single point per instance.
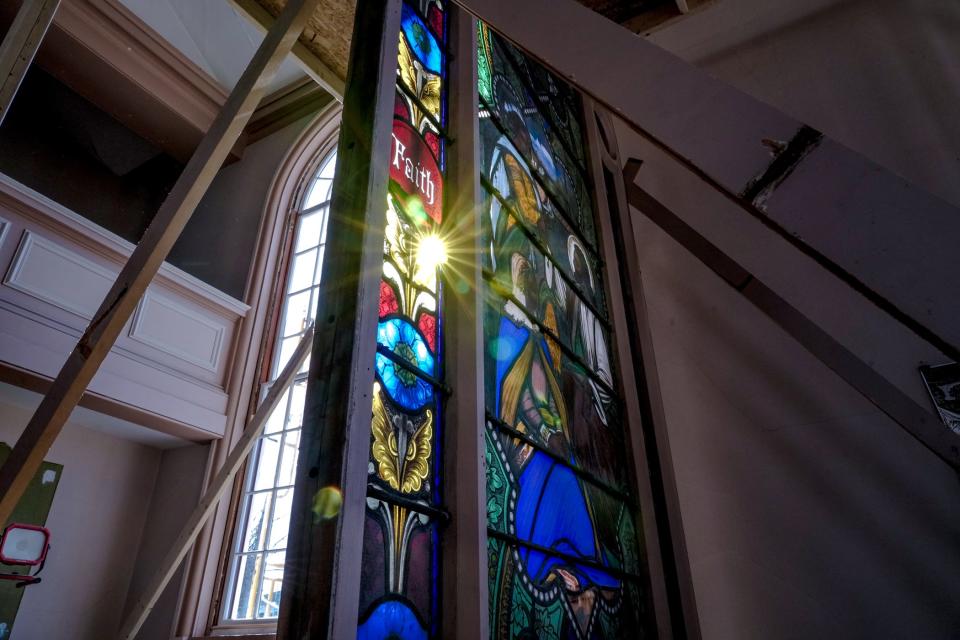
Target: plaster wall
(96, 523)
(174, 497)
(69, 150)
(219, 242)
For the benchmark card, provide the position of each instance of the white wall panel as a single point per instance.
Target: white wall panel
(170, 364)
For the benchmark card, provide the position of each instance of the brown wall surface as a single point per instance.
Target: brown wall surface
(808, 513)
(67, 149)
(64, 147)
(219, 242)
(175, 495)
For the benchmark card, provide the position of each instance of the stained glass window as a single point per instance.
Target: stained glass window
(256, 570)
(400, 579)
(562, 543)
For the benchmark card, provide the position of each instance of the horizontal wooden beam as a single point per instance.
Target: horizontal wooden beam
(82, 364)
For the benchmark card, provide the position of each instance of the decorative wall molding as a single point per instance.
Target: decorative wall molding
(165, 324)
(40, 267)
(17, 197)
(105, 53)
(172, 366)
(116, 35)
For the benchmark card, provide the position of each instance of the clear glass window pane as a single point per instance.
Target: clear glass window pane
(295, 418)
(319, 193)
(310, 231)
(328, 166)
(301, 272)
(280, 523)
(296, 313)
(276, 421)
(287, 347)
(261, 535)
(246, 582)
(255, 533)
(288, 458)
(271, 584)
(268, 453)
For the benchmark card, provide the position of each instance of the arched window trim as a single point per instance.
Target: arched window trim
(203, 592)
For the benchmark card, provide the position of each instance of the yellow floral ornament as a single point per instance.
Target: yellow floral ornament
(401, 450)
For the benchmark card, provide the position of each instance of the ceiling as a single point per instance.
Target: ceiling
(213, 35)
(327, 34)
(83, 417)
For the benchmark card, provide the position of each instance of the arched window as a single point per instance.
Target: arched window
(255, 569)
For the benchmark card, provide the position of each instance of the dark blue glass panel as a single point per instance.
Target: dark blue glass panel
(515, 111)
(552, 512)
(392, 620)
(533, 386)
(404, 340)
(399, 595)
(422, 42)
(400, 567)
(511, 178)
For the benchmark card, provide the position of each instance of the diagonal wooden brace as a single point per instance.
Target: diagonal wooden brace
(20, 45)
(146, 259)
(204, 509)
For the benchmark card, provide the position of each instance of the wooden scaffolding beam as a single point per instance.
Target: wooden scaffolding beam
(208, 502)
(313, 66)
(146, 259)
(21, 44)
(321, 590)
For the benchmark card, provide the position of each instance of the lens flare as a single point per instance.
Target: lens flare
(431, 252)
(326, 503)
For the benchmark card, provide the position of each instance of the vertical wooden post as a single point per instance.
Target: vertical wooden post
(146, 259)
(20, 45)
(322, 573)
(466, 609)
(673, 598)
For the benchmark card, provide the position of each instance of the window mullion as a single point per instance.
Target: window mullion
(465, 547)
(645, 429)
(335, 442)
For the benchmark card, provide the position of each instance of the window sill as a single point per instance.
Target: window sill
(241, 636)
(242, 631)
